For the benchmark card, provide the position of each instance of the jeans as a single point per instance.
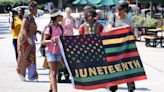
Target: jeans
(15, 47)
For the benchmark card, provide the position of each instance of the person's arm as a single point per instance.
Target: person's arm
(45, 41)
(75, 24)
(100, 28)
(107, 28)
(81, 30)
(46, 36)
(12, 22)
(115, 28)
(111, 23)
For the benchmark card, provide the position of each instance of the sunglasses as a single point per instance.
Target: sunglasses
(91, 16)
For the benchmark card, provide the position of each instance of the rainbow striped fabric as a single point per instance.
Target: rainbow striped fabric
(102, 60)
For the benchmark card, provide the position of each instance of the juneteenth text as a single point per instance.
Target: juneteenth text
(101, 70)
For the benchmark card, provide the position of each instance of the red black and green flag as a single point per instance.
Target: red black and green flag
(102, 60)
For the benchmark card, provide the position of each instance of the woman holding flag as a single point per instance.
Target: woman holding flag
(53, 53)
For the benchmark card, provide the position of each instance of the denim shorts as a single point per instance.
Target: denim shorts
(53, 57)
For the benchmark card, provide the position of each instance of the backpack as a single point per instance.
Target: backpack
(42, 46)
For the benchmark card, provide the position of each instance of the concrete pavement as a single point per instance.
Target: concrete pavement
(9, 81)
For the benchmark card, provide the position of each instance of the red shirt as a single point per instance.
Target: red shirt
(85, 28)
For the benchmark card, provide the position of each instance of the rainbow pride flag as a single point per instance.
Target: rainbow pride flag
(102, 60)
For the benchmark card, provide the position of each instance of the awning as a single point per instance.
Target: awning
(80, 2)
(109, 2)
(153, 1)
(96, 3)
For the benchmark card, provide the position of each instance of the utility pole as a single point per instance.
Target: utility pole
(137, 3)
(151, 9)
(60, 4)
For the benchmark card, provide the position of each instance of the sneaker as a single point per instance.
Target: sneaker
(21, 77)
(35, 80)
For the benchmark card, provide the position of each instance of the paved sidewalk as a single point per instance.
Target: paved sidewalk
(9, 82)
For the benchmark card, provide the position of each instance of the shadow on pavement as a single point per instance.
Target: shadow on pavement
(38, 81)
(2, 37)
(43, 73)
(65, 81)
(41, 69)
(143, 89)
(4, 22)
(4, 25)
(4, 28)
(4, 32)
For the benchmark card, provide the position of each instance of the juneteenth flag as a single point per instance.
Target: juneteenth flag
(102, 60)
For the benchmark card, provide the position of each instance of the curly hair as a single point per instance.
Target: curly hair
(90, 11)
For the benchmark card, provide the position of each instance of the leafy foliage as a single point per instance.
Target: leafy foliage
(151, 22)
(40, 7)
(6, 5)
(12, 1)
(139, 20)
(162, 27)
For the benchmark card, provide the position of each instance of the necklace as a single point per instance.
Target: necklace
(91, 28)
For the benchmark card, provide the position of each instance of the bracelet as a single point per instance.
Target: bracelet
(29, 39)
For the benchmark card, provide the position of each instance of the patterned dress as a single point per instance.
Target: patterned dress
(68, 25)
(26, 52)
